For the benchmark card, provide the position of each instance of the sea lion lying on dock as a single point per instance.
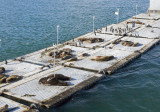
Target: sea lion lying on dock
(91, 40)
(4, 108)
(117, 41)
(85, 54)
(73, 59)
(13, 78)
(2, 75)
(52, 81)
(67, 50)
(60, 77)
(2, 69)
(51, 54)
(129, 44)
(67, 57)
(3, 79)
(32, 108)
(102, 58)
(55, 79)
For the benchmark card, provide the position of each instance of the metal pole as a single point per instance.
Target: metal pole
(54, 56)
(0, 47)
(118, 16)
(105, 50)
(57, 33)
(93, 23)
(136, 9)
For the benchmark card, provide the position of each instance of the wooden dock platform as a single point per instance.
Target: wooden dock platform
(84, 72)
(12, 105)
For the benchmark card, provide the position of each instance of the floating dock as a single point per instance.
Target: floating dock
(84, 72)
(12, 105)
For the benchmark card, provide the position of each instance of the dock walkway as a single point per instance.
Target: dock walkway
(84, 72)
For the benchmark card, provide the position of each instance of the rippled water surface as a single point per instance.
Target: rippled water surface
(30, 25)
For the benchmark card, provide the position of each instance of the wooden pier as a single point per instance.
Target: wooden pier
(84, 72)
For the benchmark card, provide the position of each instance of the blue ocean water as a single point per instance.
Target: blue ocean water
(30, 25)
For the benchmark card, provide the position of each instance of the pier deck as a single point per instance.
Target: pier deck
(84, 72)
(12, 105)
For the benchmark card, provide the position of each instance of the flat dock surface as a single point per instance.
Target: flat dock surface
(12, 105)
(84, 71)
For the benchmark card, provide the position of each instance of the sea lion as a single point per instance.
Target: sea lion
(116, 41)
(102, 58)
(3, 80)
(90, 40)
(129, 44)
(32, 108)
(13, 78)
(135, 44)
(2, 69)
(4, 108)
(73, 59)
(51, 54)
(62, 54)
(52, 81)
(2, 75)
(85, 54)
(20, 59)
(81, 39)
(67, 57)
(67, 50)
(60, 77)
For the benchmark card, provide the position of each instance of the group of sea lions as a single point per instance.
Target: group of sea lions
(91, 40)
(55, 80)
(8, 79)
(136, 22)
(126, 43)
(63, 54)
(102, 58)
(130, 44)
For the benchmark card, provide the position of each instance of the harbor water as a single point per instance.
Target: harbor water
(28, 26)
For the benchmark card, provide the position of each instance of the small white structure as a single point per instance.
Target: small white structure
(154, 6)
